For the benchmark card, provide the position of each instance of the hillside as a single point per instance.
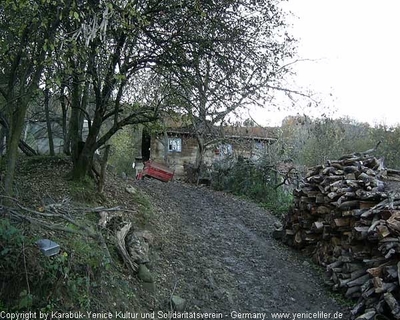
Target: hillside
(209, 251)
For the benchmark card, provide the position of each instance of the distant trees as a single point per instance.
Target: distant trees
(313, 141)
(390, 146)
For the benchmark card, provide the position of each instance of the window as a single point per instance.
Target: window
(174, 144)
(260, 146)
(224, 150)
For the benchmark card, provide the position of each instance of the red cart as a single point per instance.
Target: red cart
(156, 170)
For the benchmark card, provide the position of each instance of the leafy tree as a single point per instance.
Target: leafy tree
(98, 55)
(310, 142)
(389, 148)
(27, 33)
(238, 59)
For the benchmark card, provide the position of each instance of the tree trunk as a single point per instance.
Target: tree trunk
(83, 165)
(200, 157)
(66, 138)
(16, 126)
(74, 125)
(166, 147)
(200, 152)
(2, 136)
(83, 107)
(26, 149)
(48, 122)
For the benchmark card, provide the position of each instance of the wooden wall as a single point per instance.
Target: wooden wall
(176, 160)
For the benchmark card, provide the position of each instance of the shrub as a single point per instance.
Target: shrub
(125, 146)
(255, 181)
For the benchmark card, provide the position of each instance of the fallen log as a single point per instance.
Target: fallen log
(121, 245)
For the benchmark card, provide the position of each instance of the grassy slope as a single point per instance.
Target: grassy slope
(81, 277)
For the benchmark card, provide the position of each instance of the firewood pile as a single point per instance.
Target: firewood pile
(347, 214)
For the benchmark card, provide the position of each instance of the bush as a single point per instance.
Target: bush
(253, 181)
(125, 146)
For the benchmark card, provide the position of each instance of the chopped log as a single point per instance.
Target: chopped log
(358, 308)
(347, 205)
(351, 169)
(350, 176)
(343, 282)
(382, 231)
(317, 226)
(394, 222)
(342, 222)
(390, 253)
(398, 271)
(319, 198)
(366, 204)
(377, 271)
(367, 293)
(374, 225)
(359, 281)
(333, 265)
(378, 282)
(390, 273)
(351, 291)
(367, 285)
(364, 177)
(298, 238)
(393, 304)
(305, 199)
(374, 262)
(386, 287)
(357, 273)
(332, 195)
(323, 210)
(360, 233)
(351, 267)
(367, 315)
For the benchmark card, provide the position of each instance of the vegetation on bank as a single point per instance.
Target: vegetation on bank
(88, 273)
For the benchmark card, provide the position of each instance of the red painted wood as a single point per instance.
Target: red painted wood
(157, 171)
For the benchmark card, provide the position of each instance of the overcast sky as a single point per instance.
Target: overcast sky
(356, 48)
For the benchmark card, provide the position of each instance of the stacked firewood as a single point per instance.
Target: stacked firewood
(347, 214)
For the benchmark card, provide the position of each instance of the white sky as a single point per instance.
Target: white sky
(356, 45)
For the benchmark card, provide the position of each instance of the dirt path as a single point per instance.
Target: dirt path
(218, 254)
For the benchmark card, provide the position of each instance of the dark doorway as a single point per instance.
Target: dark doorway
(146, 142)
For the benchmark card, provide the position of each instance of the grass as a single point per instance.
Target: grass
(145, 209)
(84, 191)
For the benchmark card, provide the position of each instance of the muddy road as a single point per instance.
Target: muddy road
(216, 252)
